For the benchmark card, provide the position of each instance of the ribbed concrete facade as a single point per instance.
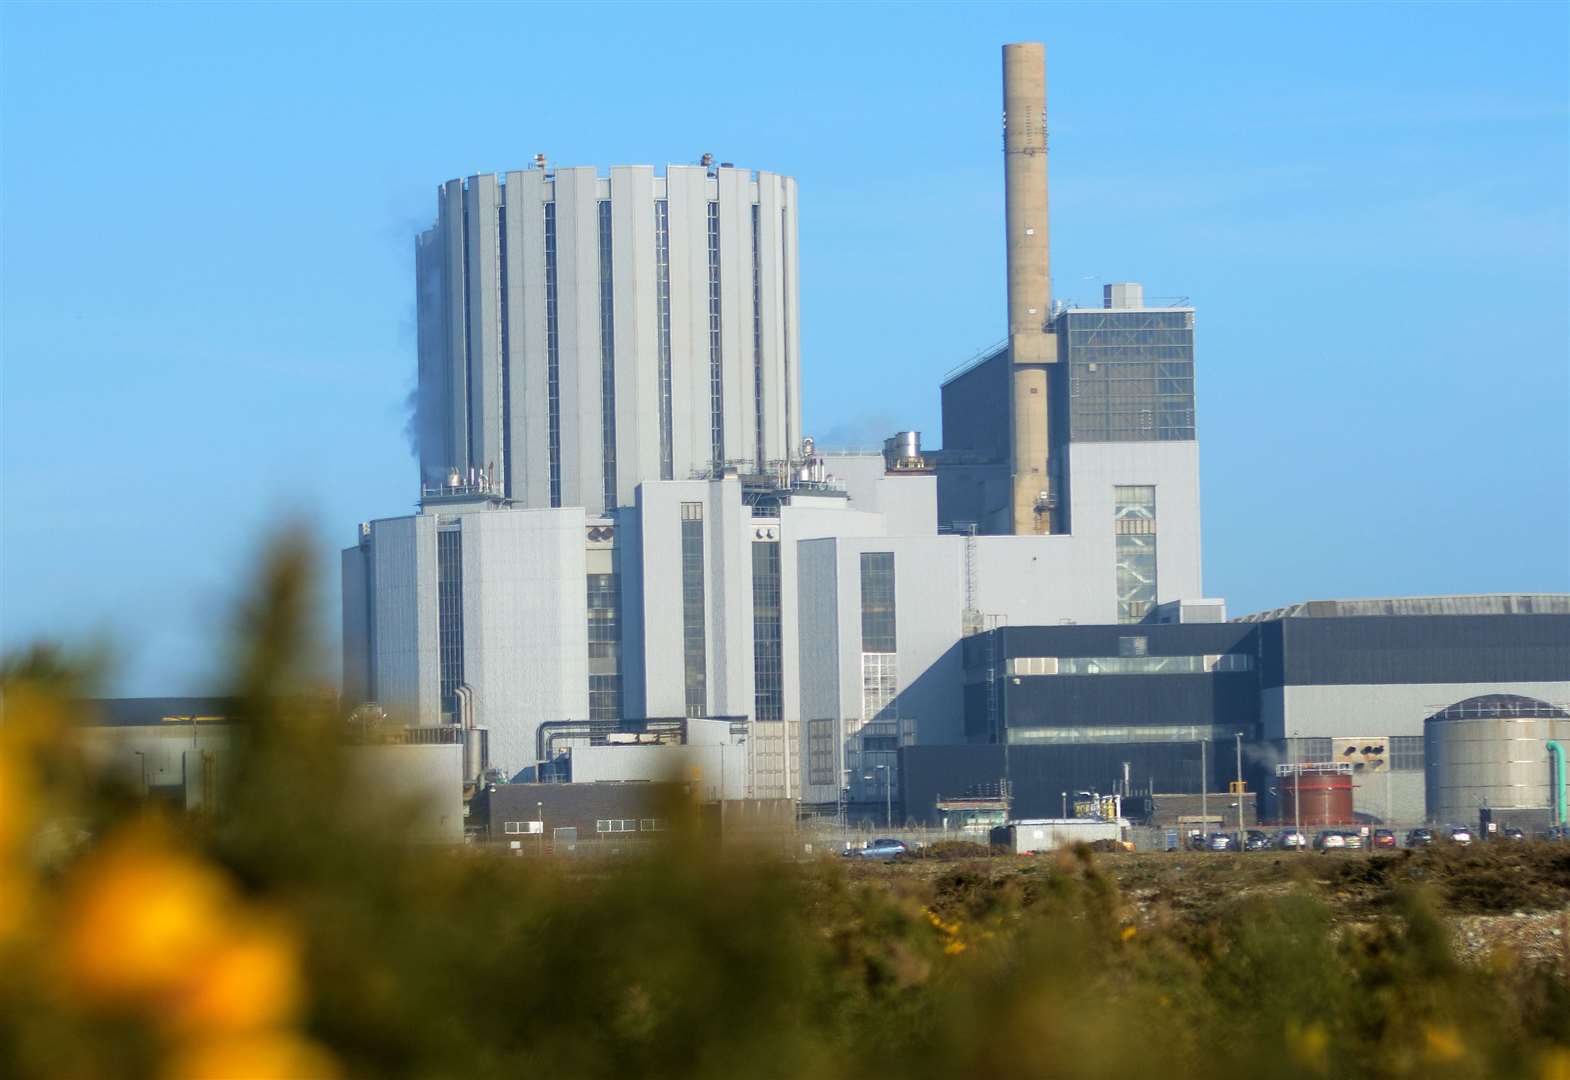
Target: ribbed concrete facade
(581, 334)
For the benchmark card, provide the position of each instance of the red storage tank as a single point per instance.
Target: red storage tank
(1326, 797)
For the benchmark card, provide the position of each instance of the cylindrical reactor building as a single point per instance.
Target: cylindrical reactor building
(580, 334)
(1491, 751)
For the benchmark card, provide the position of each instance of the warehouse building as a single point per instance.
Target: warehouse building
(1055, 709)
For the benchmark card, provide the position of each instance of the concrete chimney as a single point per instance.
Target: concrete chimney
(1032, 345)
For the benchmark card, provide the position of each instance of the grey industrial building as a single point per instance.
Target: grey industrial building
(1050, 709)
(621, 526)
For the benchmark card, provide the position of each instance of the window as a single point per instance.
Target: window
(604, 647)
(1128, 665)
(1134, 523)
(879, 686)
(693, 634)
(877, 602)
(820, 753)
(716, 359)
(651, 824)
(449, 615)
(616, 825)
(767, 645)
(662, 292)
(505, 350)
(1133, 646)
(1407, 753)
(607, 358)
(552, 358)
(757, 342)
(1131, 375)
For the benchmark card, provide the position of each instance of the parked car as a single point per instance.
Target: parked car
(1220, 841)
(1291, 840)
(877, 849)
(1197, 841)
(1256, 841)
(1353, 840)
(1384, 838)
(1330, 840)
(1460, 834)
(1510, 832)
(1419, 837)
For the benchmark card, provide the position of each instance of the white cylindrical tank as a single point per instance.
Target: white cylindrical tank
(1490, 751)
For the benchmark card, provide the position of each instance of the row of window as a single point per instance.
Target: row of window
(716, 357)
(449, 615)
(1128, 665)
(1122, 733)
(629, 825)
(767, 634)
(1134, 522)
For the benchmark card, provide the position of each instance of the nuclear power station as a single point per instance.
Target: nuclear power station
(628, 558)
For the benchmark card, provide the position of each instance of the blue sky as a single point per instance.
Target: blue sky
(208, 281)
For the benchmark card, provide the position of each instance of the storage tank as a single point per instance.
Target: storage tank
(1490, 751)
(1326, 795)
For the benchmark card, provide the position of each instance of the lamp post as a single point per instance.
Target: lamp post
(1204, 792)
(1065, 805)
(539, 815)
(1240, 790)
(888, 795)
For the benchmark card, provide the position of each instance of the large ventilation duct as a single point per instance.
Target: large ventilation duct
(1032, 345)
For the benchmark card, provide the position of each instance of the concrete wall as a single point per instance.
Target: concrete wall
(417, 790)
(525, 624)
(404, 671)
(712, 768)
(1389, 709)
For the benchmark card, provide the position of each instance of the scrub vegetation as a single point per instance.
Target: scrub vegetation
(280, 937)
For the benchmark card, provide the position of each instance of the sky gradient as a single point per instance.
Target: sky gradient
(209, 218)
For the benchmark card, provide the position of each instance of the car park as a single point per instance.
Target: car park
(1330, 840)
(1384, 838)
(1419, 837)
(1291, 840)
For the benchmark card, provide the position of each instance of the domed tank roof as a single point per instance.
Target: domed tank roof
(1500, 706)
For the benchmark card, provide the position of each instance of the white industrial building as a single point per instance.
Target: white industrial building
(620, 522)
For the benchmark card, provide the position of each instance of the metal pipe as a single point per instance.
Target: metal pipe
(1032, 345)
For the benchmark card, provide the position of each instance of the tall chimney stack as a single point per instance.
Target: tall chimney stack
(1032, 345)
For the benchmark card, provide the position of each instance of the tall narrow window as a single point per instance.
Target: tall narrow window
(785, 385)
(604, 647)
(607, 358)
(552, 357)
(879, 655)
(505, 376)
(449, 616)
(716, 358)
(662, 289)
(1134, 523)
(767, 647)
(757, 338)
(693, 637)
(468, 350)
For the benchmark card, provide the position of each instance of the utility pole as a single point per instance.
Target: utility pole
(1204, 793)
(1240, 790)
(1297, 804)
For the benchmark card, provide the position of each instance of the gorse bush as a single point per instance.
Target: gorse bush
(279, 937)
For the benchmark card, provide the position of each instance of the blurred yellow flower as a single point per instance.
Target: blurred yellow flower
(1128, 933)
(249, 982)
(1309, 1046)
(139, 916)
(268, 1056)
(1556, 1065)
(1441, 1043)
